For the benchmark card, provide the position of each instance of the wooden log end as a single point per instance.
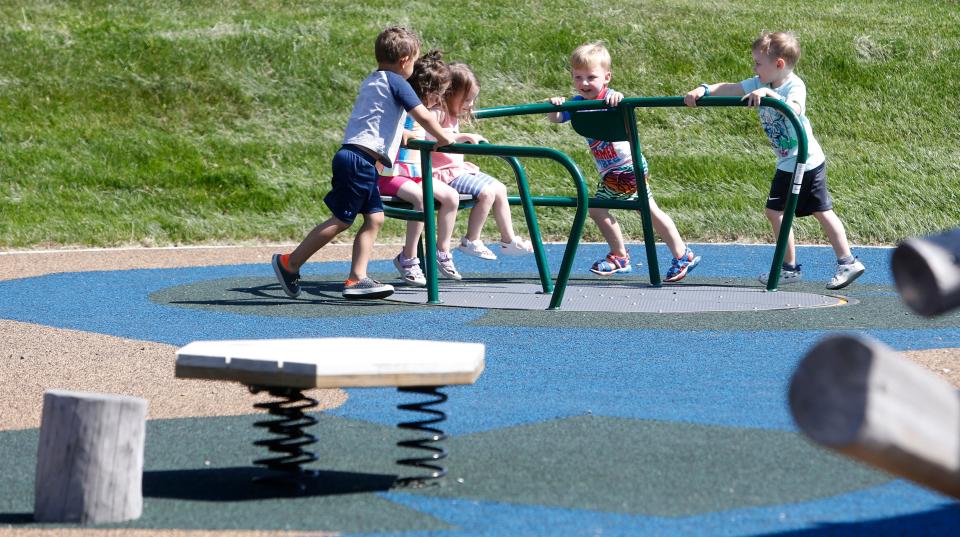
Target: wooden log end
(828, 392)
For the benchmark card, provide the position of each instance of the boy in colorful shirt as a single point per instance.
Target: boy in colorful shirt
(372, 135)
(590, 67)
(775, 54)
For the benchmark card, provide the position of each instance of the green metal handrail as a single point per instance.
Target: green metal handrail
(627, 107)
(528, 202)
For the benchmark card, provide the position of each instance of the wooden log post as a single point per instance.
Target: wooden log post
(860, 398)
(90, 458)
(927, 272)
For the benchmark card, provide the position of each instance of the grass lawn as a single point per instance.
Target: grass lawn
(154, 122)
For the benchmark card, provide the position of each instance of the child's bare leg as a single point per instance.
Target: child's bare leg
(610, 229)
(837, 236)
(449, 200)
(412, 193)
(363, 244)
(478, 215)
(501, 212)
(316, 239)
(776, 219)
(667, 230)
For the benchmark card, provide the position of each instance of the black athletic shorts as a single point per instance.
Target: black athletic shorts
(813, 197)
(354, 185)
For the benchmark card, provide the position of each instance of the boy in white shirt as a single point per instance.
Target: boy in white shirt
(775, 54)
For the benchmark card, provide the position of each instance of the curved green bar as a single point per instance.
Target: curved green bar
(530, 215)
(579, 219)
(402, 214)
(663, 102)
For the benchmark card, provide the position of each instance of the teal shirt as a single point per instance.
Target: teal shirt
(783, 137)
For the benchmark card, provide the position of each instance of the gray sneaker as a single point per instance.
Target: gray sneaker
(289, 281)
(367, 288)
(846, 274)
(786, 276)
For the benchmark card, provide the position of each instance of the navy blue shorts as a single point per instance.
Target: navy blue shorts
(813, 197)
(354, 185)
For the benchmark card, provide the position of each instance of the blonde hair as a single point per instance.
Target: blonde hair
(778, 45)
(462, 82)
(590, 55)
(395, 43)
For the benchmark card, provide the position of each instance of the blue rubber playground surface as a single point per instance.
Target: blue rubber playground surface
(583, 423)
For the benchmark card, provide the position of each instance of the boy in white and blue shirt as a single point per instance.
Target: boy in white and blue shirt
(372, 135)
(775, 54)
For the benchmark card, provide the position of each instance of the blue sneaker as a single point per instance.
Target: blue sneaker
(681, 266)
(612, 264)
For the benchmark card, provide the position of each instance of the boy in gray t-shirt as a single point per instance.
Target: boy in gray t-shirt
(774, 56)
(371, 138)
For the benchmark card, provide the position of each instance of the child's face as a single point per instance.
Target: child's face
(463, 103)
(590, 81)
(769, 69)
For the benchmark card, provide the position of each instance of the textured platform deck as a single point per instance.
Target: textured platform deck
(619, 296)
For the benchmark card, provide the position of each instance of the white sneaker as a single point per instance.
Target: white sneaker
(846, 274)
(476, 249)
(786, 276)
(517, 247)
(409, 270)
(446, 267)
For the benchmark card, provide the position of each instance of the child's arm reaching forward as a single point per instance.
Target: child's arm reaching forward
(723, 89)
(731, 89)
(407, 136)
(429, 122)
(612, 98)
(753, 99)
(468, 138)
(556, 117)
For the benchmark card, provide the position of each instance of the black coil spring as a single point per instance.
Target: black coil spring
(288, 427)
(436, 453)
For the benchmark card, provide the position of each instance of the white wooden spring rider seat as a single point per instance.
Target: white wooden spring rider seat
(286, 367)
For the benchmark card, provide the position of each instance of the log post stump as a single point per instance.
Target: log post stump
(857, 396)
(90, 458)
(927, 273)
